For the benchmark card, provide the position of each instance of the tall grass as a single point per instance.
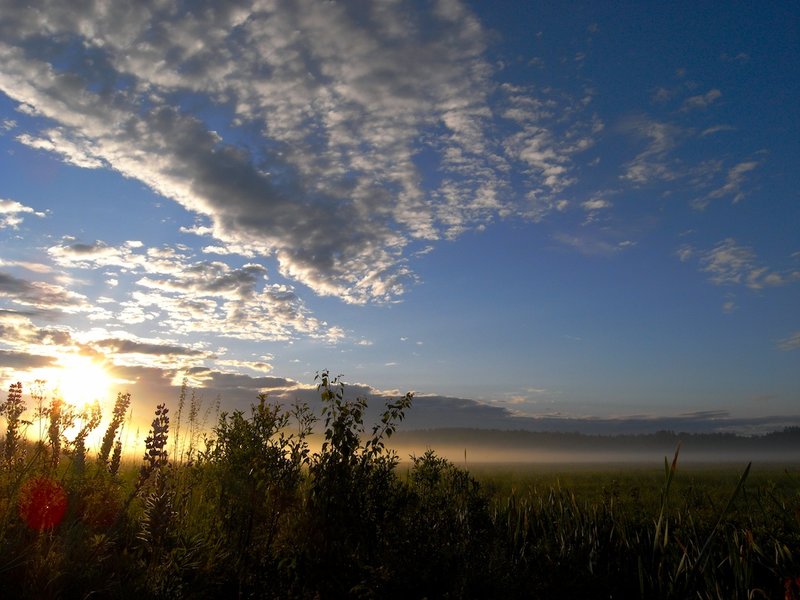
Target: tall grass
(249, 510)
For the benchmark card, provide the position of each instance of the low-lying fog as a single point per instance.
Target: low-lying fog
(473, 455)
(493, 446)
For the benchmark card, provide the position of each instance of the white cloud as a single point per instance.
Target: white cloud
(11, 213)
(192, 296)
(729, 263)
(342, 97)
(588, 245)
(654, 162)
(716, 129)
(74, 151)
(596, 204)
(340, 93)
(685, 252)
(701, 101)
(734, 184)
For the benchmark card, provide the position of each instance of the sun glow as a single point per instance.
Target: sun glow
(79, 381)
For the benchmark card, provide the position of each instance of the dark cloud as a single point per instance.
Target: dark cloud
(133, 347)
(87, 248)
(10, 359)
(39, 294)
(214, 279)
(10, 285)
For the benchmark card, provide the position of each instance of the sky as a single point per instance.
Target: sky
(553, 216)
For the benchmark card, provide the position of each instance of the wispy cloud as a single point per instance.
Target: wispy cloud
(734, 185)
(790, 343)
(716, 129)
(552, 132)
(739, 57)
(590, 245)
(594, 207)
(74, 150)
(35, 267)
(654, 162)
(701, 101)
(729, 263)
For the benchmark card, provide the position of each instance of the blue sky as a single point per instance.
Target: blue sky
(534, 215)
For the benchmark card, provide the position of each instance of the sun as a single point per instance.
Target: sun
(79, 380)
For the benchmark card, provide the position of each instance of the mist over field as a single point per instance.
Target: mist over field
(470, 446)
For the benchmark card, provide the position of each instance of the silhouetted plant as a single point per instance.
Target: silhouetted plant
(355, 497)
(155, 456)
(111, 435)
(12, 409)
(60, 416)
(89, 418)
(256, 470)
(177, 450)
(116, 458)
(450, 533)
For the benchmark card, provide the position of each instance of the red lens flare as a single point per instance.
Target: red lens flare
(42, 503)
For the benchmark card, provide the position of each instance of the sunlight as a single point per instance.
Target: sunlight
(79, 380)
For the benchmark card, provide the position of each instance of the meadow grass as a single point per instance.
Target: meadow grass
(253, 510)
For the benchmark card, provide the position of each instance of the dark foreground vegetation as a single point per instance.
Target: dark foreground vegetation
(250, 511)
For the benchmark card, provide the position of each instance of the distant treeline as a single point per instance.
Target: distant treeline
(786, 441)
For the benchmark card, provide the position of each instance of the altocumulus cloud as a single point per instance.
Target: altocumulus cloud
(194, 295)
(326, 108)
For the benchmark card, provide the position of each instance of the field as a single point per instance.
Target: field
(249, 510)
